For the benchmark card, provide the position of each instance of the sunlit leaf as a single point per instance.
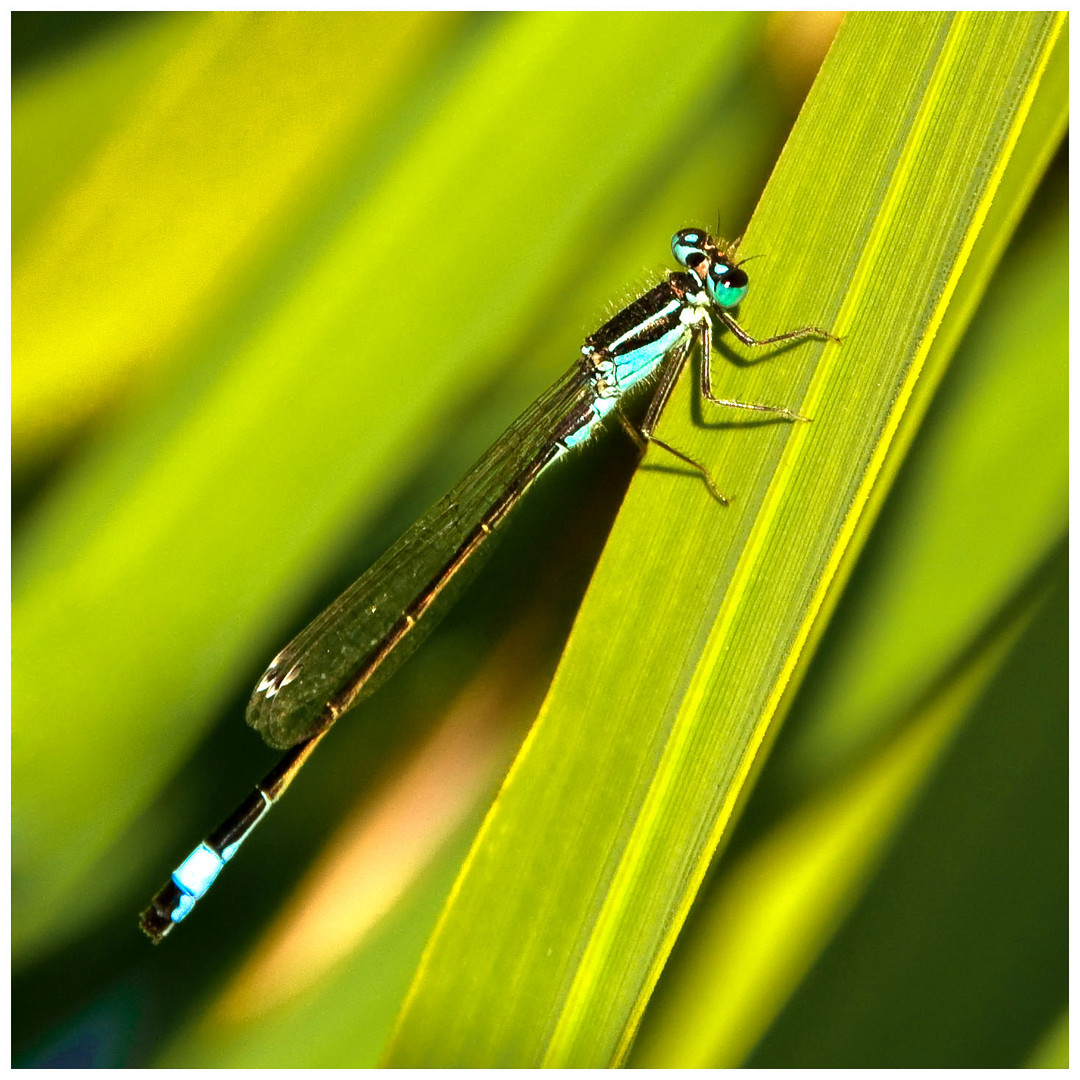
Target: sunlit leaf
(698, 618)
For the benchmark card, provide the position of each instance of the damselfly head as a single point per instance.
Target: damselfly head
(713, 264)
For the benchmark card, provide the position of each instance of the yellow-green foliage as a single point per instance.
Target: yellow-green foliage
(278, 277)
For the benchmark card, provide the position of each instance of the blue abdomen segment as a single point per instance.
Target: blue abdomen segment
(191, 880)
(194, 876)
(200, 869)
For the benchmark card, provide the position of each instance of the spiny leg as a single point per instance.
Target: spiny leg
(669, 376)
(790, 335)
(644, 435)
(742, 335)
(642, 438)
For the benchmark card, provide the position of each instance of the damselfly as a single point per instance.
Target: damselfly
(362, 637)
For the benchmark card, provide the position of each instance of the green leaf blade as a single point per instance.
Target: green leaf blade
(695, 627)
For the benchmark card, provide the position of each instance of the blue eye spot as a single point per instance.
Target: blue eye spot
(687, 247)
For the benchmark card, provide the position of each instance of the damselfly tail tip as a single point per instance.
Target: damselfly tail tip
(151, 924)
(156, 921)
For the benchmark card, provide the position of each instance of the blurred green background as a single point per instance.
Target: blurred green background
(277, 281)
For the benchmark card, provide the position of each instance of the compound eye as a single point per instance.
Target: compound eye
(726, 285)
(688, 247)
